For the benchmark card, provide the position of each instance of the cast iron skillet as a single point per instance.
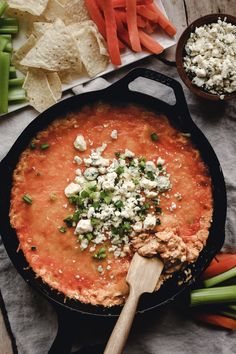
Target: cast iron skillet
(179, 116)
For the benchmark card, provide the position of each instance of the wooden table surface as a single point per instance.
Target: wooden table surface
(181, 13)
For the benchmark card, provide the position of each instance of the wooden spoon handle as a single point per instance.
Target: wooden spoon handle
(121, 330)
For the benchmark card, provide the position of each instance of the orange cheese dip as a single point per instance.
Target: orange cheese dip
(47, 167)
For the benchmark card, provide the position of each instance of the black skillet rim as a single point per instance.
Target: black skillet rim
(177, 114)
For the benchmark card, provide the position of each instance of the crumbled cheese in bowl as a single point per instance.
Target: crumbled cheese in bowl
(210, 59)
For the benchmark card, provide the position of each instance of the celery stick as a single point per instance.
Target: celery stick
(4, 78)
(228, 313)
(3, 43)
(223, 294)
(9, 29)
(16, 94)
(3, 6)
(16, 82)
(220, 278)
(8, 47)
(232, 307)
(7, 21)
(12, 72)
(7, 36)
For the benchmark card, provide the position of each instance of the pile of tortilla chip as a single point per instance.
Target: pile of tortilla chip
(62, 41)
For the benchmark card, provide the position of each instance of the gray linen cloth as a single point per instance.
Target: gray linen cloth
(169, 331)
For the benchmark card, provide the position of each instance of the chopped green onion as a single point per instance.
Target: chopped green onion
(4, 78)
(27, 199)
(84, 194)
(76, 216)
(76, 199)
(119, 204)
(32, 146)
(62, 229)
(33, 248)
(68, 220)
(117, 154)
(224, 294)
(95, 222)
(44, 146)
(120, 170)
(126, 226)
(220, 278)
(96, 205)
(150, 175)
(89, 236)
(154, 137)
(158, 221)
(136, 181)
(3, 6)
(16, 94)
(93, 188)
(106, 197)
(142, 165)
(101, 254)
(16, 82)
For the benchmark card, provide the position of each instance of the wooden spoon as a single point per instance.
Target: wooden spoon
(142, 278)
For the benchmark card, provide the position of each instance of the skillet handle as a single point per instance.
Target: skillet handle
(180, 107)
(63, 342)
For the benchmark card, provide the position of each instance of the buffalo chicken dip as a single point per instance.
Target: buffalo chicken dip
(101, 184)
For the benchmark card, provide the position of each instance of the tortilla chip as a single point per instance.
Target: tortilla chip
(55, 50)
(89, 50)
(100, 41)
(55, 85)
(75, 12)
(34, 7)
(21, 53)
(38, 90)
(75, 27)
(54, 10)
(65, 76)
(39, 28)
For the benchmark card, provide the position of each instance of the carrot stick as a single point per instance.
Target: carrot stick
(216, 320)
(122, 15)
(141, 22)
(162, 20)
(132, 25)
(121, 30)
(122, 3)
(149, 27)
(111, 31)
(99, 6)
(96, 16)
(149, 43)
(220, 264)
(147, 13)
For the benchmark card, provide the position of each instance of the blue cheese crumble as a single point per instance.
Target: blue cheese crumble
(210, 59)
(115, 199)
